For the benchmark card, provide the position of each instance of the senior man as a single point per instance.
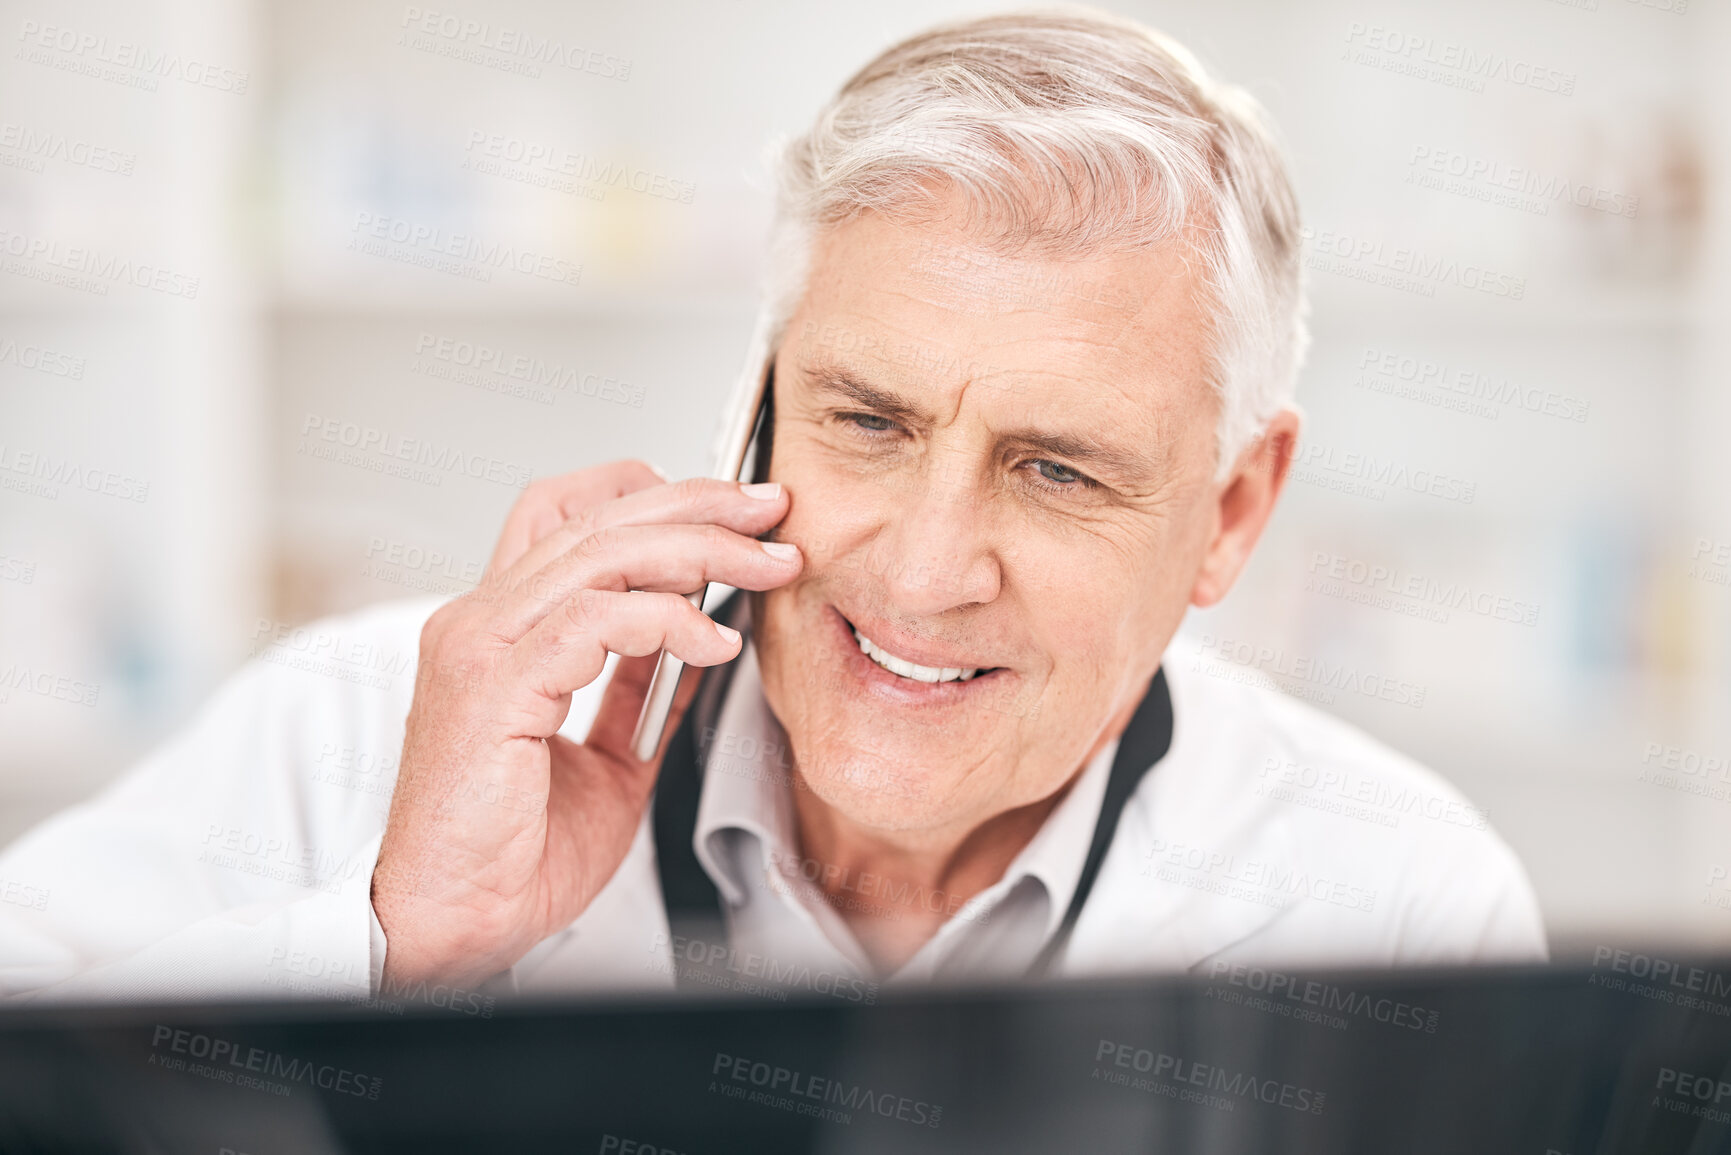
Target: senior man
(1036, 318)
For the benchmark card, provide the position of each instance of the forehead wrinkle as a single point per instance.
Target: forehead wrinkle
(1148, 384)
(931, 367)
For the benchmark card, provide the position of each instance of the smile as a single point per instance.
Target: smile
(906, 668)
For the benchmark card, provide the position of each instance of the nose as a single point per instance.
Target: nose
(935, 549)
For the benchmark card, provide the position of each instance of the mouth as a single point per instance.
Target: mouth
(906, 669)
(900, 677)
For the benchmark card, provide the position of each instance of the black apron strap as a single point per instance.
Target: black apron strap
(1144, 742)
(696, 922)
(701, 955)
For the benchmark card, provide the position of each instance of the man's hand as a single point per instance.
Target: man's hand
(501, 831)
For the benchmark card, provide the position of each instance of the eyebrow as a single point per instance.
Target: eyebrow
(843, 382)
(1085, 450)
(1076, 447)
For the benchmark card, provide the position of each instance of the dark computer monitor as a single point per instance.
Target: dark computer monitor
(1627, 1053)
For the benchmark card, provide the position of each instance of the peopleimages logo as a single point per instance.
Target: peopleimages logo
(1487, 179)
(813, 1095)
(1468, 384)
(487, 367)
(918, 360)
(1702, 1096)
(540, 163)
(1390, 587)
(1687, 771)
(17, 569)
(1361, 795)
(1179, 1073)
(89, 270)
(1448, 62)
(1403, 267)
(413, 458)
(1718, 887)
(418, 568)
(753, 973)
(353, 660)
(462, 254)
(22, 894)
(1358, 474)
(1297, 997)
(121, 62)
(1251, 880)
(42, 360)
(277, 858)
(1661, 979)
(1307, 671)
(225, 1062)
(1711, 561)
(1011, 284)
(59, 687)
(503, 47)
(42, 475)
(37, 146)
(878, 894)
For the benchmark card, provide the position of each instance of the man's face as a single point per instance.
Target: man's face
(996, 463)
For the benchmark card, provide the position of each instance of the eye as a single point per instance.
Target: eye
(870, 422)
(1054, 478)
(1058, 474)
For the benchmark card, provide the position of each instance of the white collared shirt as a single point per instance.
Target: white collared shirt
(236, 860)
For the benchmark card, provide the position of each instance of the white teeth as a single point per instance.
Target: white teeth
(906, 668)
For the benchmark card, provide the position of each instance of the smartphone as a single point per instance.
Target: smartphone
(733, 443)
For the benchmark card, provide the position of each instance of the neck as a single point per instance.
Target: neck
(894, 889)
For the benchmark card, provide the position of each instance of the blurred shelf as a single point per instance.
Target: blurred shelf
(1335, 310)
(634, 307)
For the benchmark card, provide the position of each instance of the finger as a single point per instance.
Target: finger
(654, 558)
(550, 502)
(615, 722)
(567, 649)
(747, 509)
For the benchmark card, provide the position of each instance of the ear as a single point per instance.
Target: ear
(1244, 504)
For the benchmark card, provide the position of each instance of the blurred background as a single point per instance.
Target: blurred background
(252, 254)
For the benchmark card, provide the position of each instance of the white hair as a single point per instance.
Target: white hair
(1067, 132)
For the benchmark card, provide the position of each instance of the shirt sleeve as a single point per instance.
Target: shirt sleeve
(237, 860)
(376, 947)
(1479, 911)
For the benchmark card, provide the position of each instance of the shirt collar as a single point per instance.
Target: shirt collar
(1056, 853)
(748, 786)
(747, 777)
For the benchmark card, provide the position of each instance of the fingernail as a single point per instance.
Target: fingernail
(780, 550)
(762, 490)
(657, 470)
(727, 635)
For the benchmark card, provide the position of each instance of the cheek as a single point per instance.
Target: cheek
(1097, 606)
(798, 676)
(1088, 663)
(828, 515)
(1081, 590)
